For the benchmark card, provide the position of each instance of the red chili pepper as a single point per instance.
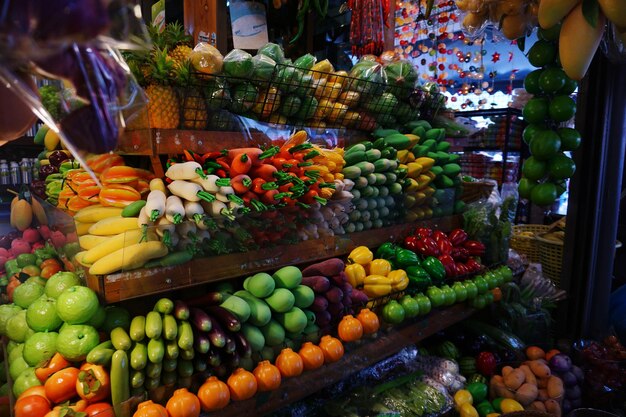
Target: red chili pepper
(221, 173)
(444, 245)
(474, 247)
(457, 237)
(209, 155)
(449, 265)
(459, 254)
(486, 363)
(422, 232)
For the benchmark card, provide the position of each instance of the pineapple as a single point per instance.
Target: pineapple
(163, 107)
(194, 107)
(179, 42)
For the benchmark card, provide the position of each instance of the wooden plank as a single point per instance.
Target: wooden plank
(133, 284)
(358, 357)
(206, 21)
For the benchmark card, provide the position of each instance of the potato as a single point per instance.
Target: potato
(555, 387)
(553, 407)
(526, 394)
(514, 379)
(497, 387)
(542, 383)
(542, 394)
(506, 370)
(530, 377)
(539, 368)
(537, 406)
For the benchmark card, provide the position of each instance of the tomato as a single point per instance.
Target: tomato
(542, 53)
(552, 80)
(551, 34)
(436, 296)
(534, 169)
(561, 167)
(562, 108)
(570, 138)
(536, 110)
(93, 383)
(545, 145)
(543, 194)
(49, 270)
(525, 187)
(50, 261)
(61, 386)
(424, 304)
(497, 294)
(38, 390)
(393, 312)
(31, 406)
(531, 82)
(100, 410)
(449, 296)
(531, 130)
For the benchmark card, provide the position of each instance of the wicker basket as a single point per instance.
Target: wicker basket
(474, 191)
(551, 254)
(527, 245)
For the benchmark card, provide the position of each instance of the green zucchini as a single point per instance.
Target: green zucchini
(507, 340)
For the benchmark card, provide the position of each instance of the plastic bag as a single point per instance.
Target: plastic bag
(369, 77)
(401, 77)
(513, 18)
(206, 58)
(238, 65)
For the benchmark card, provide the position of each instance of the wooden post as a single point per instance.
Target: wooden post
(389, 33)
(207, 21)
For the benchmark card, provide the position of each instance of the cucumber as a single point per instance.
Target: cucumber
(355, 157)
(368, 145)
(137, 379)
(397, 141)
(137, 330)
(154, 325)
(351, 172)
(372, 155)
(170, 327)
(156, 350)
(153, 370)
(133, 209)
(139, 356)
(171, 350)
(120, 339)
(389, 153)
(176, 258)
(507, 340)
(101, 354)
(382, 165)
(164, 306)
(185, 336)
(120, 383)
(365, 168)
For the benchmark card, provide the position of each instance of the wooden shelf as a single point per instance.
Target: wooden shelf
(145, 282)
(358, 357)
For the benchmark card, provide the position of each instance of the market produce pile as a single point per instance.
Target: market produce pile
(200, 84)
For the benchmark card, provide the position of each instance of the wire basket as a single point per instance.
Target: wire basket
(476, 190)
(528, 245)
(551, 258)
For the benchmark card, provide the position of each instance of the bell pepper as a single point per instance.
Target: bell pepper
(474, 247)
(399, 280)
(427, 247)
(457, 237)
(411, 243)
(376, 280)
(435, 269)
(422, 232)
(418, 278)
(406, 258)
(444, 245)
(361, 255)
(462, 269)
(377, 290)
(438, 234)
(449, 265)
(380, 267)
(473, 265)
(355, 273)
(386, 251)
(459, 254)
(486, 363)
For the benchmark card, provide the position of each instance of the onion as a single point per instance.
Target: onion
(560, 363)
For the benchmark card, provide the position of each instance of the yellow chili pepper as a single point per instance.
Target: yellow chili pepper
(361, 255)
(355, 273)
(380, 267)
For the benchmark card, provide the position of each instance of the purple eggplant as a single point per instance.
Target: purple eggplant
(201, 342)
(213, 358)
(232, 360)
(327, 268)
(225, 317)
(317, 283)
(217, 335)
(210, 298)
(320, 303)
(322, 318)
(230, 346)
(200, 319)
(200, 363)
(243, 346)
(334, 295)
(181, 310)
(336, 310)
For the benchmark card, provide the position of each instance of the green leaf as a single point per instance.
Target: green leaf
(591, 12)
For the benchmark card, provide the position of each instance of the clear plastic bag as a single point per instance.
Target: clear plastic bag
(206, 59)
(513, 18)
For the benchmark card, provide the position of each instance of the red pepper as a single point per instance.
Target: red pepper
(457, 237)
(474, 247)
(444, 245)
(462, 269)
(427, 247)
(449, 265)
(459, 254)
(422, 232)
(410, 242)
(438, 235)
(486, 363)
(473, 265)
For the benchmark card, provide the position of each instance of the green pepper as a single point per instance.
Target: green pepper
(435, 269)
(386, 251)
(478, 391)
(419, 279)
(11, 267)
(389, 153)
(485, 408)
(406, 258)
